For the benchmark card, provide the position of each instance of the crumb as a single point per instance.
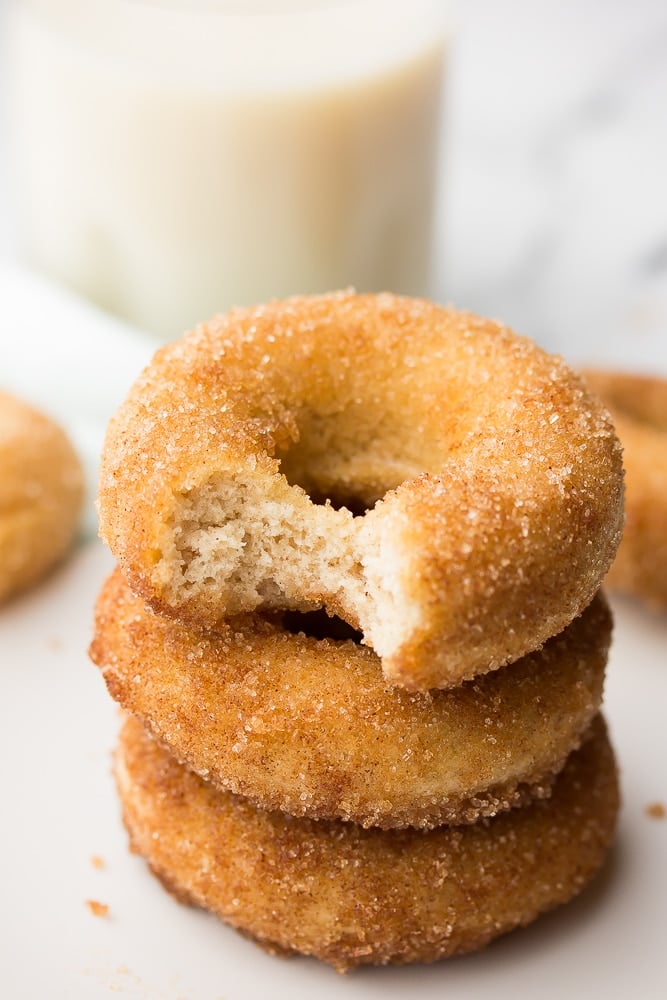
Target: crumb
(55, 644)
(656, 810)
(97, 861)
(97, 909)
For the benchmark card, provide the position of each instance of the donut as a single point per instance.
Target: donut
(41, 493)
(350, 896)
(638, 404)
(308, 726)
(439, 483)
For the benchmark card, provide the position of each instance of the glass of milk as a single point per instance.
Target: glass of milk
(173, 159)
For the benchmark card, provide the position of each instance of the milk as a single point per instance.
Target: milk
(174, 159)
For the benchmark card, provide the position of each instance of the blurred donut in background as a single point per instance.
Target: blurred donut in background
(638, 405)
(41, 494)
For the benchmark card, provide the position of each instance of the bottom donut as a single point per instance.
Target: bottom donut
(349, 895)
(352, 896)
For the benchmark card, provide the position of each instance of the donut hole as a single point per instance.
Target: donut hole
(330, 486)
(339, 501)
(347, 464)
(319, 625)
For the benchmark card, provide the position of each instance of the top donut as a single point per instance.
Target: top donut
(440, 483)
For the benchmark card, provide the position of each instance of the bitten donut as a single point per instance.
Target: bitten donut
(638, 404)
(351, 896)
(309, 727)
(436, 481)
(41, 492)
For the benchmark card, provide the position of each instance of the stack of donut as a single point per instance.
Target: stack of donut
(356, 625)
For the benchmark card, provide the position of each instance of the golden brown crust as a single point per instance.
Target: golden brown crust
(638, 405)
(310, 727)
(350, 896)
(501, 475)
(41, 492)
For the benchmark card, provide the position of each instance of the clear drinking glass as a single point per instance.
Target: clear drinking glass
(172, 159)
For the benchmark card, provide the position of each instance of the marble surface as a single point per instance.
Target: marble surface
(554, 216)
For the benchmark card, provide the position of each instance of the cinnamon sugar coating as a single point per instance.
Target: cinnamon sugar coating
(490, 479)
(351, 896)
(310, 726)
(41, 494)
(638, 405)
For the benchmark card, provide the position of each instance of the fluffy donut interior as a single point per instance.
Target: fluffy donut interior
(291, 541)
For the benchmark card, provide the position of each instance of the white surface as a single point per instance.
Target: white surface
(57, 728)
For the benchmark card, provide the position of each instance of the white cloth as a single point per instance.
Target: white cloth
(68, 358)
